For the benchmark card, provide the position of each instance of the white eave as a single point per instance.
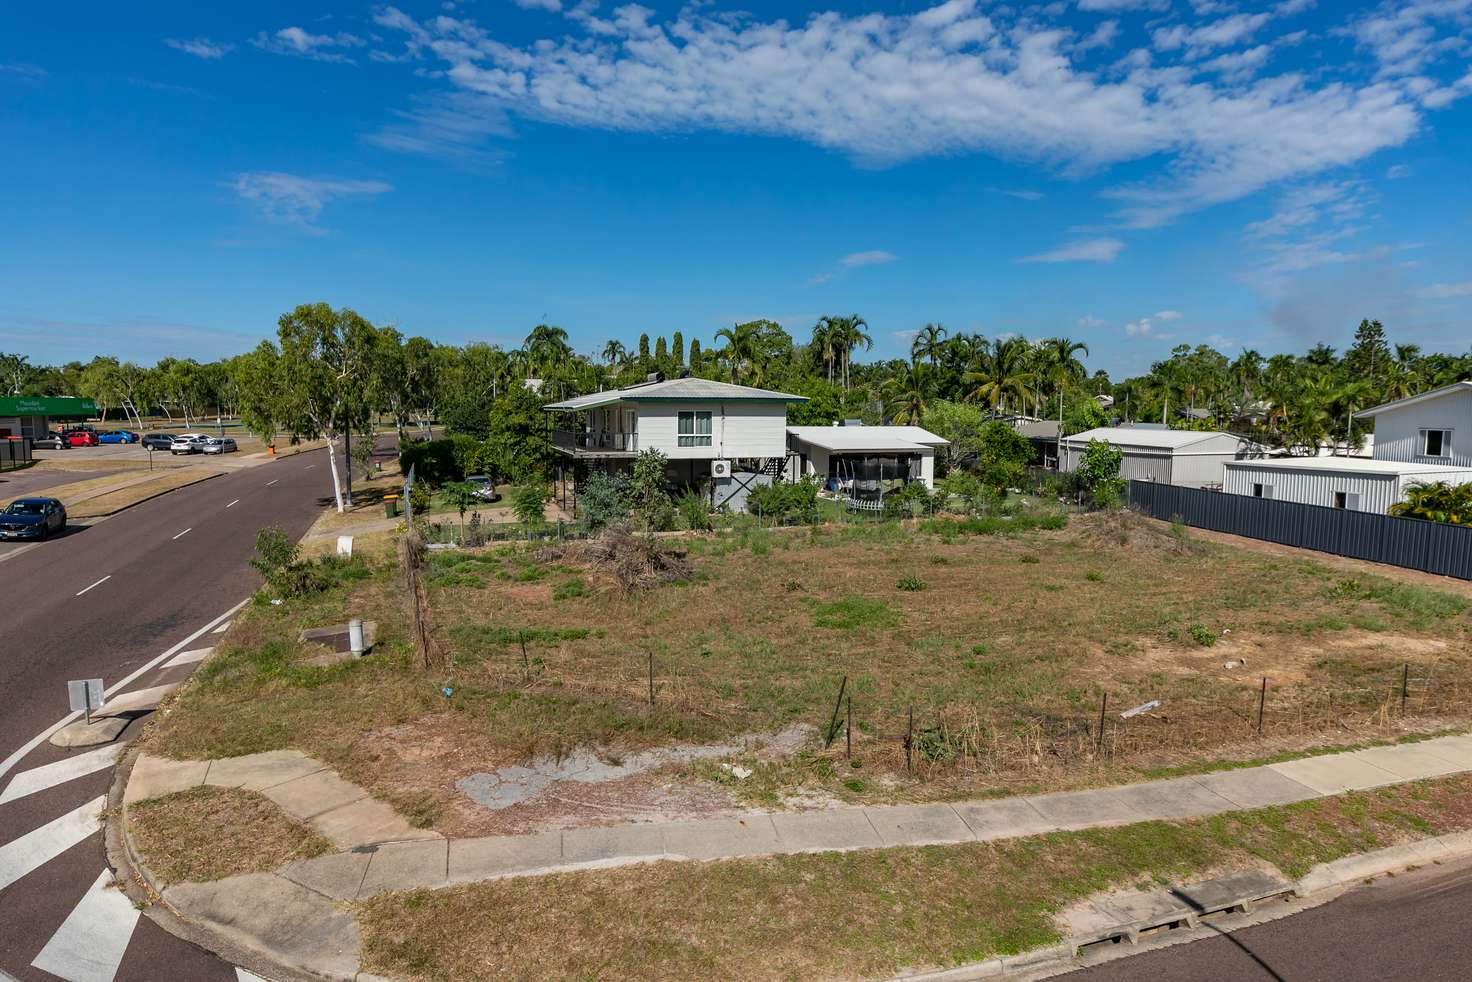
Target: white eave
(1412, 400)
(868, 439)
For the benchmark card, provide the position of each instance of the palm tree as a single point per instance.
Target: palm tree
(1437, 502)
(906, 394)
(929, 344)
(825, 343)
(1354, 394)
(999, 372)
(546, 347)
(838, 338)
(741, 352)
(1063, 367)
(614, 352)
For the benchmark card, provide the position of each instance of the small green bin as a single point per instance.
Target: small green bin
(391, 507)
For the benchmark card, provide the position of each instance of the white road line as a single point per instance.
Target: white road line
(186, 658)
(39, 846)
(89, 945)
(309, 467)
(185, 532)
(222, 628)
(98, 583)
(242, 975)
(269, 483)
(233, 503)
(69, 769)
(41, 737)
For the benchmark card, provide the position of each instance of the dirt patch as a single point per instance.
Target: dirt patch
(1128, 531)
(631, 562)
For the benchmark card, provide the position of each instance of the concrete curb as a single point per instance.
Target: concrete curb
(1323, 882)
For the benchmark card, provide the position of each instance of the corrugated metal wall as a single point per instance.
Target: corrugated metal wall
(1312, 487)
(1432, 547)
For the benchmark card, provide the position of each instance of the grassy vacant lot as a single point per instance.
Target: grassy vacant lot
(857, 915)
(1003, 645)
(211, 833)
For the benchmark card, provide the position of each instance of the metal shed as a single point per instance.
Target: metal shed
(1188, 458)
(1354, 483)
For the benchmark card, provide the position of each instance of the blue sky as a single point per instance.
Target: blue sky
(1133, 173)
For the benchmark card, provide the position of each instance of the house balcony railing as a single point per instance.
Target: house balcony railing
(595, 441)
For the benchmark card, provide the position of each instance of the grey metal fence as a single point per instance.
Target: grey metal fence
(1429, 546)
(14, 452)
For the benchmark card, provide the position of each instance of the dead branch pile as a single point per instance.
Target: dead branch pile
(1132, 532)
(633, 563)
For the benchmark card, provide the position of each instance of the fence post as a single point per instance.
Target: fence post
(910, 742)
(849, 730)
(1405, 686)
(1099, 737)
(1262, 700)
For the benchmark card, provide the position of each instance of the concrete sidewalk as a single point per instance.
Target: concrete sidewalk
(387, 854)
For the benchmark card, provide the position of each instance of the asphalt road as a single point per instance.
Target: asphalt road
(1412, 926)
(103, 602)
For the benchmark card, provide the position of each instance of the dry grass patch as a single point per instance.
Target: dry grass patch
(96, 505)
(857, 915)
(210, 833)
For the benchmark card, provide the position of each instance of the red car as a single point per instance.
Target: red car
(81, 438)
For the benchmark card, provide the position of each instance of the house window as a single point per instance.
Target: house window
(1262, 490)
(1436, 443)
(1347, 500)
(695, 429)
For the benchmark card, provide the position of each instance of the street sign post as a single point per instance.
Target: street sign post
(85, 695)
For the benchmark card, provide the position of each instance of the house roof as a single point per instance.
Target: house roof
(1348, 465)
(1465, 384)
(676, 390)
(1135, 436)
(1037, 429)
(854, 439)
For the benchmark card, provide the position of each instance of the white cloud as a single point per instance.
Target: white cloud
(201, 47)
(1107, 6)
(1169, 315)
(552, 5)
(1102, 36)
(1406, 38)
(27, 72)
(873, 257)
(949, 79)
(448, 126)
(1089, 321)
(303, 44)
(1084, 251)
(1022, 194)
(289, 199)
(1446, 291)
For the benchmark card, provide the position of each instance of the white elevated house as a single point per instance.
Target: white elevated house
(732, 436)
(1419, 440)
(1188, 458)
(861, 459)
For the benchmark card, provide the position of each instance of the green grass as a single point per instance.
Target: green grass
(852, 613)
(867, 914)
(994, 524)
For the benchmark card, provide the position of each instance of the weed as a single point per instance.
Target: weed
(1029, 558)
(1094, 576)
(1202, 635)
(568, 589)
(910, 582)
(851, 613)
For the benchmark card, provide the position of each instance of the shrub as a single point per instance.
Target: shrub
(910, 501)
(910, 582)
(530, 504)
(1094, 576)
(785, 503)
(569, 589)
(694, 510)
(601, 498)
(438, 462)
(1202, 635)
(1098, 470)
(645, 493)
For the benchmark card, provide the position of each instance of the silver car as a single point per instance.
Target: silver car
(217, 444)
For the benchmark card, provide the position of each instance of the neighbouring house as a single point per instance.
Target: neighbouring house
(1431, 428)
(862, 462)
(1043, 435)
(1355, 483)
(1418, 440)
(1188, 458)
(714, 435)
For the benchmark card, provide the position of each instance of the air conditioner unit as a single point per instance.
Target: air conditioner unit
(720, 468)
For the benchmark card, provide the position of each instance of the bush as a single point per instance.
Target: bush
(910, 582)
(645, 493)
(601, 498)
(530, 503)
(910, 501)
(694, 510)
(785, 503)
(439, 462)
(1202, 635)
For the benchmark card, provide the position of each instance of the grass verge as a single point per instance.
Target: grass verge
(863, 914)
(210, 833)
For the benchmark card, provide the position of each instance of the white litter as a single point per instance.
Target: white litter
(736, 771)
(1152, 704)
(1235, 663)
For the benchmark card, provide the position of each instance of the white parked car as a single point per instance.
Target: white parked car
(188, 443)
(218, 444)
(485, 488)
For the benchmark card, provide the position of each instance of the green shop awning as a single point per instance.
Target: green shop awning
(69, 407)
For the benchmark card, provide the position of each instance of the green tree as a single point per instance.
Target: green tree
(677, 347)
(530, 503)
(907, 394)
(1098, 471)
(1002, 456)
(929, 344)
(1437, 502)
(961, 424)
(519, 446)
(461, 496)
(1000, 374)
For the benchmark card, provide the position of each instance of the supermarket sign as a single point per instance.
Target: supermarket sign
(73, 406)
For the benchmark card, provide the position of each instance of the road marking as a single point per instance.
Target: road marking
(188, 658)
(98, 583)
(89, 945)
(185, 532)
(222, 628)
(45, 734)
(269, 483)
(39, 846)
(309, 467)
(242, 975)
(233, 503)
(50, 775)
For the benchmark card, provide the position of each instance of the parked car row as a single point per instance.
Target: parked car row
(182, 443)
